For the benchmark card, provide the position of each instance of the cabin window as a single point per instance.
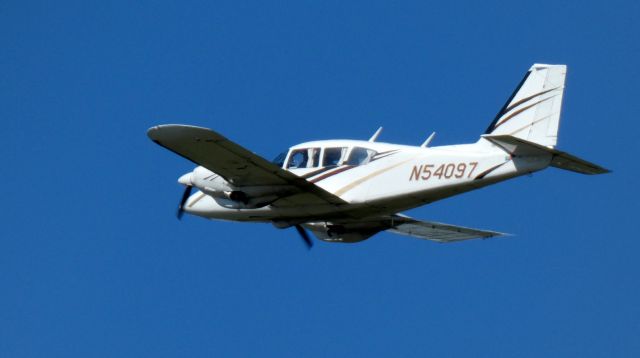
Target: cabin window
(304, 158)
(360, 156)
(334, 156)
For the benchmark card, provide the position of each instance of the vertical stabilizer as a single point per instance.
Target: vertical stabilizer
(533, 110)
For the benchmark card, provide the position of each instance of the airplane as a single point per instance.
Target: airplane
(349, 190)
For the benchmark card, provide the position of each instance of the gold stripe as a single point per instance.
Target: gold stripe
(339, 170)
(202, 195)
(372, 175)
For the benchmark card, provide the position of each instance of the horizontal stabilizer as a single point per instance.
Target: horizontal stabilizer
(520, 147)
(567, 161)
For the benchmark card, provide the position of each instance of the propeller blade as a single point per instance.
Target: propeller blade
(305, 236)
(185, 197)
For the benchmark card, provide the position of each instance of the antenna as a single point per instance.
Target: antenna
(428, 141)
(375, 135)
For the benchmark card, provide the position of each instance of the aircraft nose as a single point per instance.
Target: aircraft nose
(186, 179)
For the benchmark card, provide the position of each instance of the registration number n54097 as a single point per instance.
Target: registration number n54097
(442, 171)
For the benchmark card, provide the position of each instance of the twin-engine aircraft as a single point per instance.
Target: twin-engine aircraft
(349, 190)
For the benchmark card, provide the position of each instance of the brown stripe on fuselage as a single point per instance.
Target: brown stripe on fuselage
(486, 172)
(316, 172)
(388, 154)
(330, 174)
(385, 152)
(370, 176)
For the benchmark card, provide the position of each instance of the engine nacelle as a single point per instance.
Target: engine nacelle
(233, 197)
(211, 183)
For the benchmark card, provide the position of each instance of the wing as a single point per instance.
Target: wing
(237, 165)
(358, 230)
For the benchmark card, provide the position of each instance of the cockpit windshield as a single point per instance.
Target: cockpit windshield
(304, 158)
(279, 160)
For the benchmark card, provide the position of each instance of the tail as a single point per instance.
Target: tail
(532, 112)
(527, 125)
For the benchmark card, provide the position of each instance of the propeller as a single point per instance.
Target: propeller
(305, 236)
(185, 196)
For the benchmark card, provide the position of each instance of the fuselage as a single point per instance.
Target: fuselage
(374, 178)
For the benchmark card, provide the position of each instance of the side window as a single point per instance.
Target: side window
(360, 156)
(304, 158)
(333, 156)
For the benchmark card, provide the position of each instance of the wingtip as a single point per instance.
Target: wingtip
(495, 234)
(157, 128)
(151, 132)
(154, 132)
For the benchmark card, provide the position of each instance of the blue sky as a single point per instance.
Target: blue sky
(94, 263)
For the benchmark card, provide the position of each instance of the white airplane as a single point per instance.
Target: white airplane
(349, 190)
